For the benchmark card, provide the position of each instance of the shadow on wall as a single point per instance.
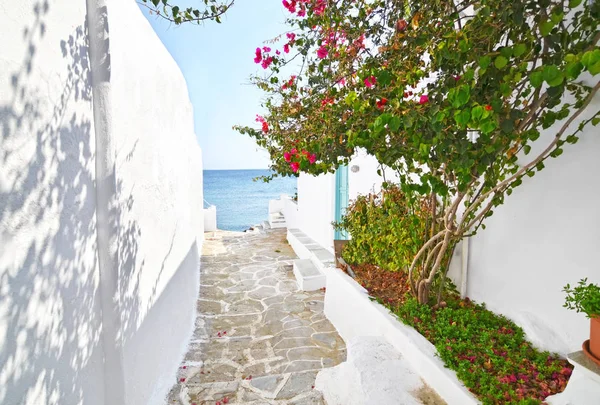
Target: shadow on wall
(50, 313)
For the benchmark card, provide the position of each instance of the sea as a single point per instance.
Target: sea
(242, 202)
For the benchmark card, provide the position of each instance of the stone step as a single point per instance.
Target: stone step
(308, 276)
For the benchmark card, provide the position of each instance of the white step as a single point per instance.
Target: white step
(309, 277)
(277, 220)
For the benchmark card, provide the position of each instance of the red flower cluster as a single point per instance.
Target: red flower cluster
(265, 126)
(291, 6)
(289, 83)
(262, 56)
(381, 103)
(293, 158)
(370, 81)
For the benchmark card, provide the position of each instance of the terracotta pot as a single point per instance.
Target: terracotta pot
(595, 336)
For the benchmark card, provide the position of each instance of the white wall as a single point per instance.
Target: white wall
(546, 234)
(316, 204)
(316, 197)
(50, 319)
(159, 186)
(54, 317)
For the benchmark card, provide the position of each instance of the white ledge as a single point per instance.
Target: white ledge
(353, 313)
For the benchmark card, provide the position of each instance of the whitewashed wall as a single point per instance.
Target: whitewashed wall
(316, 204)
(546, 234)
(53, 312)
(316, 197)
(50, 317)
(159, 186)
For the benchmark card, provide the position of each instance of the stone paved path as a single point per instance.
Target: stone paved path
(258, 340)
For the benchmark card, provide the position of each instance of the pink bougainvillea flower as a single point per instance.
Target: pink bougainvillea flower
(286, 48)
(295, 167)
(291, 36)
(312, 158)
(265, 129)
(305, 152)
(381, 103)
(370, 81)
(266, 49)
(258, 57)
(267, 62)
(259, 118)
(322, 52)
(226, 400)
(302, 11)
(290, 5)
(294, 151)
(181, 379)
(287, 156)
(488, 107)
(277, 52)
(342, 82)
(457, 77)
(424, 99)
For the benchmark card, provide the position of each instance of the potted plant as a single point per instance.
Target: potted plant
(585, 297)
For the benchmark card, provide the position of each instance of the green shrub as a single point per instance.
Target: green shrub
(387, 229)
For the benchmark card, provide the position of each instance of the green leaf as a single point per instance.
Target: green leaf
(462, 117)
(395, 123)
(477, 112)
(500, 62)
(462, 96)
(574, 69)
(552, 75)
(526, 149)
(519, 49)
(574, 3)
(594, 69)
(595, 121)
(488, 126)
(590, 58)
(546, 27)
(556, 152)
(484, 62)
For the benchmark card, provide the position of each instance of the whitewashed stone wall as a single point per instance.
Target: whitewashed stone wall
(100, 206)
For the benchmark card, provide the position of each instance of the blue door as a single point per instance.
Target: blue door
(341, 198)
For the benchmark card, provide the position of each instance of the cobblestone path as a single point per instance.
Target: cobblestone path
(258, 340)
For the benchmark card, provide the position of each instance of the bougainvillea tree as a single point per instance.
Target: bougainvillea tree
(174, 11)
(462, 99)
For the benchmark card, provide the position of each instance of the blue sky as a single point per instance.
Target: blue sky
(217, 60)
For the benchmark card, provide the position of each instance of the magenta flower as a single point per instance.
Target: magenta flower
(370, 81)
(287, 156)
(294, 151)
(322, 52)
(258, 57)
(266, 49)
(312, 158)
(424, 99)
(267, 62)
(295, 166)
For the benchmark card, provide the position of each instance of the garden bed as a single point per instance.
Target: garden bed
(488, 352)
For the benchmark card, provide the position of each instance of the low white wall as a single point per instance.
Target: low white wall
(52, 336)
(544, 236)
(210, 219)
(290, 212)
(316, 205)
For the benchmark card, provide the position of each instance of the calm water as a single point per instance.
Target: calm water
(242, 202)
